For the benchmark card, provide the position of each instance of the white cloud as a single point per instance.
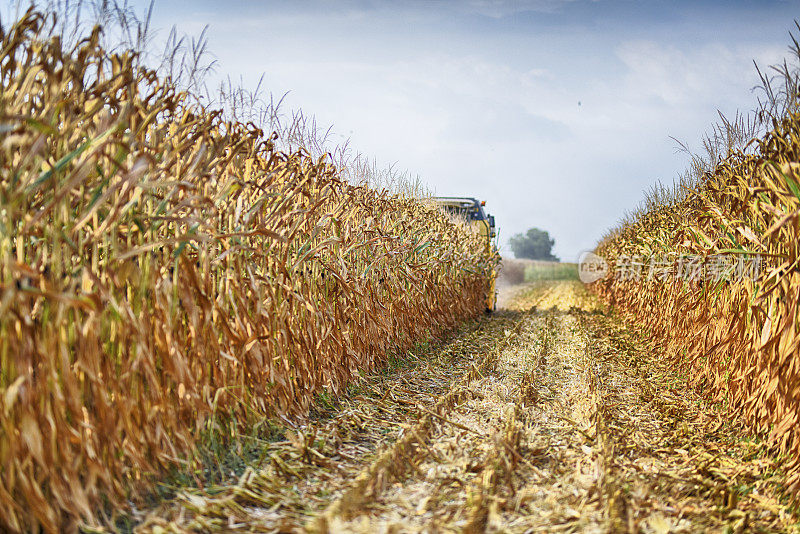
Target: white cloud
(693, 75)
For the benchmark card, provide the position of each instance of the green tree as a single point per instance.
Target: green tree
(535, 244)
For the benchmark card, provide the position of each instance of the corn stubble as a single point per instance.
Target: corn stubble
(166, 273)
(737, 340)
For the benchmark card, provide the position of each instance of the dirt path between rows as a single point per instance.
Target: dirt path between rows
(546, 417)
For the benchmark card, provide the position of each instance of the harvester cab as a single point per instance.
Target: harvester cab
(472, 210)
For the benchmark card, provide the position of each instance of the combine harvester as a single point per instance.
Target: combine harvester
(472, 211)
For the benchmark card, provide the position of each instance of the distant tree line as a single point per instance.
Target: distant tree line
(535, 244)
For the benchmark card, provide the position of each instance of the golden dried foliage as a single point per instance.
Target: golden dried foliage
(165, 273)
(738, 340)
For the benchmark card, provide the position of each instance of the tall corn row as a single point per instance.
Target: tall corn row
(165, 273)
(738, 340)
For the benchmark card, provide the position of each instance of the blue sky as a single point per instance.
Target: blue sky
(482, 98)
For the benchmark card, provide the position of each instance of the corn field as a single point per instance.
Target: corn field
(166, 273)
(738, 340)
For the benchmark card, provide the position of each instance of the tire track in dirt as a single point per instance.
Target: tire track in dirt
(404, 454)
(512, 456)
(460, 445)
